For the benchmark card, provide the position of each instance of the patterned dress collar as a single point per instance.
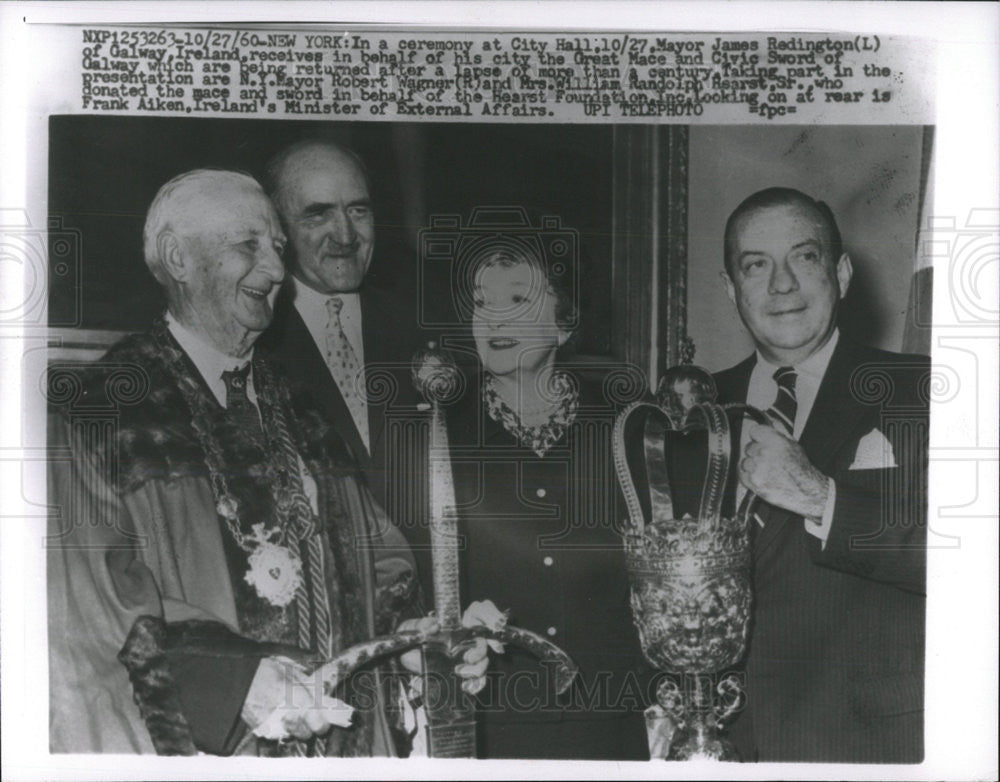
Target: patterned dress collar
(541, 437)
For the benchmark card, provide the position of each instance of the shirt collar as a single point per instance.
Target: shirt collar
(209, 360)
(814, 366)
(308, 299)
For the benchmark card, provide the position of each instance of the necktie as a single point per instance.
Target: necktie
(239, 408)
(347, 371)
(782, 412)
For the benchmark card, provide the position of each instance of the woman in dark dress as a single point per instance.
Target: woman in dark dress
(537, 498)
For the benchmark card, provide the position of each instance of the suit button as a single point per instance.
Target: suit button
(551, 631)
(547, 561)
(540, 493)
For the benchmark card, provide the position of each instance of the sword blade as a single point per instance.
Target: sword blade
(444, 527)
(451, 713)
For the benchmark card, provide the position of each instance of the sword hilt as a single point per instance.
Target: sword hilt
(342, 665)
(436, 376)
(541, 647)
(453, 642)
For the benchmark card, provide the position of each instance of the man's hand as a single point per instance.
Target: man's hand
(475, 658)
(284, 701)
(775, 467)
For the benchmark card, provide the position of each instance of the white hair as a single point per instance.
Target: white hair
(173, 201)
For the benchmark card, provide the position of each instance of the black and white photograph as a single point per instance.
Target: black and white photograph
(395, 395)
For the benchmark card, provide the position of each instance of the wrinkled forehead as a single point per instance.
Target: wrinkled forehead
(223, 208)
(322, 172)
(793, 222)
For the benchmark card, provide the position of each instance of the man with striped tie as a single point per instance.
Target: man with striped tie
(835, 490)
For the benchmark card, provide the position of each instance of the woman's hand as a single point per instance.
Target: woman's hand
(480, 613)
(475, 657)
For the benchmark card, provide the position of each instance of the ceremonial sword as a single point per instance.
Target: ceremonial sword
(451, 713)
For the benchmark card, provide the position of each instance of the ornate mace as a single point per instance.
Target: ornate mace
(690, 576)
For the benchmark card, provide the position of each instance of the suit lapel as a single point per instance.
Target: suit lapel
(312, 371)
(832, 421)
(836, 412)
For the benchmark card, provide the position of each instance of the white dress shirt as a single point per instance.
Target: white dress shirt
(762, 392)
(211, 363)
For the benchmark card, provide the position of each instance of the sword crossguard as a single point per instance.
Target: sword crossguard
(540, 647)
(342, 665)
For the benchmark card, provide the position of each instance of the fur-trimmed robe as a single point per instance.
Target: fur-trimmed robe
(138, 579)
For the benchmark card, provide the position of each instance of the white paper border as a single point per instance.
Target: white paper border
(962, 612)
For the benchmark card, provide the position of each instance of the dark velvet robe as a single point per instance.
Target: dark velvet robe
(141, 573)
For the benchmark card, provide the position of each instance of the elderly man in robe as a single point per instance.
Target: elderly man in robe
(210, 542)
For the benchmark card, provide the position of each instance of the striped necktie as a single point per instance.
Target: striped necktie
(782, 412)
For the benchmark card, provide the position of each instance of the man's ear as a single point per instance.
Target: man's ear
(563, 336)
(730, 288)
(844, 273)
(173, 257)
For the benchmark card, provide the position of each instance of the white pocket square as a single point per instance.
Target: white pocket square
(874, 453)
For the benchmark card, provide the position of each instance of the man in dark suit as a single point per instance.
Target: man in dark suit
(343, 330)
(836, 661)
